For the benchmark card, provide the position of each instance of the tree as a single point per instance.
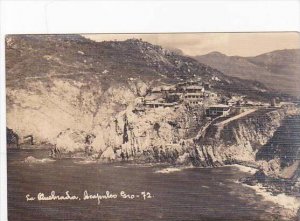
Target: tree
(156, 128)
(171, 98)
(125, 133)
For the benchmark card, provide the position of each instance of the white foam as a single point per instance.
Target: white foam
(85, 162)
(121, 166)
(245, 169)
(168, 170)
(287, 202)
(32, 159)
(141, 165)
(172, 169)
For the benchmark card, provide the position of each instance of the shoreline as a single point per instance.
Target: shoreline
(290, 204)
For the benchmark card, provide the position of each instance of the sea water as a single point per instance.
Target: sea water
(174, 194)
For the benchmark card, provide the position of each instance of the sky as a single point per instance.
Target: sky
(232, 44)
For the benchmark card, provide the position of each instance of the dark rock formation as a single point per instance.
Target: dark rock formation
(12, 139)
(285, 144)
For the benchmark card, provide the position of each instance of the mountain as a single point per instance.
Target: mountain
(60, 82)
(278, 70)
(46, 57)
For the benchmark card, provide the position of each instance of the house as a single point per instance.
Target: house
(218, 110)
(193, 89)
(192, 103)
(193, 98)
(210, 94)
(165, 88)
(159, 104)
(235, 101)
(168, 89)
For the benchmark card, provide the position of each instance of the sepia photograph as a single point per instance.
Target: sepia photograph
(161, 126)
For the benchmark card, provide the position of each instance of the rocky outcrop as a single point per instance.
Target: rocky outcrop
(158, 135)
(60, 82)
(284, 144)
(74, 141)
(278, 160)
(12, 139)
(239, 140)
(45, 110)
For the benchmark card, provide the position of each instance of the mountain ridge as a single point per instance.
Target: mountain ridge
(57, 82)
(48, 56)
(278, 70)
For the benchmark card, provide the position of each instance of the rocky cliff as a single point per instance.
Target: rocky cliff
(78, 94)
(243, 139)
(159, 136)
(56, 82)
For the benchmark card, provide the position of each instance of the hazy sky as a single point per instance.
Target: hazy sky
(242, 44)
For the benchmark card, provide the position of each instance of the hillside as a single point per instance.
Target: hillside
(278, 70)
(45, 57)
(60, 82)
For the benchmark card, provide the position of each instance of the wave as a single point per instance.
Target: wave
(121, 166)
(171, 169)
(245, 169)
(32, 159)
(290, 203)
(86, 162)
(141, 165)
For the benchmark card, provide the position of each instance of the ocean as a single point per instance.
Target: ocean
(159, 192)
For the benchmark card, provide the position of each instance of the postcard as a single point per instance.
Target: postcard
(163, 126)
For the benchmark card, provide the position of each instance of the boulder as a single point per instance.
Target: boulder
(108, 155)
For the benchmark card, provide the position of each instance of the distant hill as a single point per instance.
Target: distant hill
(279, 70)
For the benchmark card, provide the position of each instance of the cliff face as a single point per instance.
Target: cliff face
(137, 135)
(45, 110)
(238, 140)
(159, 135)
(56, 82)
(265, 139)
(78, 94)
(241, 139)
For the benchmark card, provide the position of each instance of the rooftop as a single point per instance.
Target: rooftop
(195, 87)
(219, 105)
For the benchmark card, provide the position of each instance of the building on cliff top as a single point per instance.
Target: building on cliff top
(193, 98)
(193, 89)
(217, 110)
(153, 104)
